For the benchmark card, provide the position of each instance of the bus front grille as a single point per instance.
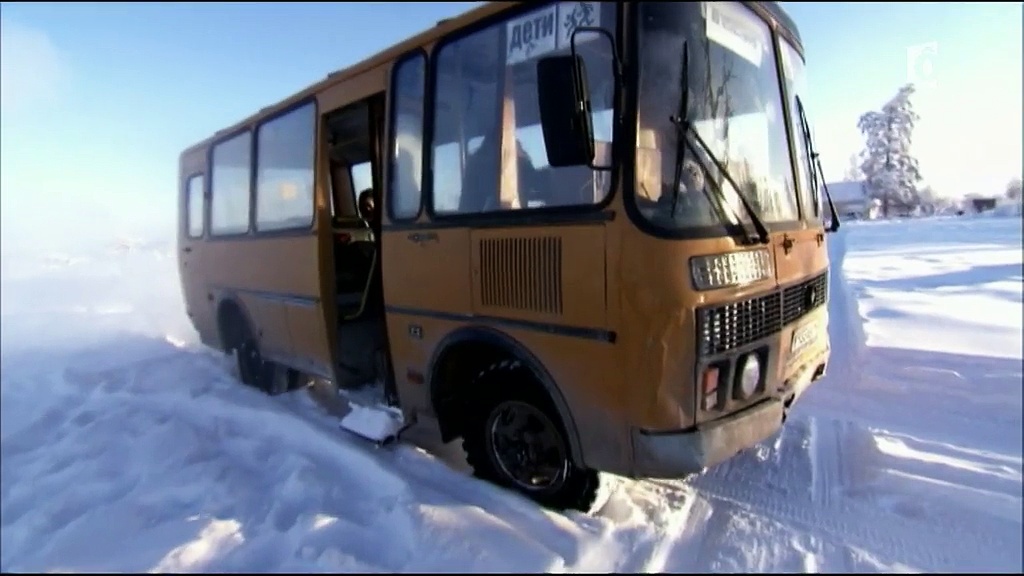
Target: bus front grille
(800, 299)
(729, 326)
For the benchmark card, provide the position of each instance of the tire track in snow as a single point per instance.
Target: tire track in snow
(824, 509)
(661, 528)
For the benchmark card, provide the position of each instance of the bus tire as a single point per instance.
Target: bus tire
(253, 369)
(515, 438)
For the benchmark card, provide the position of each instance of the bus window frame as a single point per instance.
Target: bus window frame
(392, 141)
(311, 228)
(212, 168)
(291, 230)
(203, 197)
(631, 79)
(251, 232)
(524, 215)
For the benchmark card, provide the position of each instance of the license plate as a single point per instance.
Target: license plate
(803, 337)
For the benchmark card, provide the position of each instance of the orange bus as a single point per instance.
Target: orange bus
(581, 237)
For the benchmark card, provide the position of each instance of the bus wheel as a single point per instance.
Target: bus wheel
(515, 439)
(253, 369)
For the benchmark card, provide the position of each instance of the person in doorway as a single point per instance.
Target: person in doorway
(368, 210)
(374, 302)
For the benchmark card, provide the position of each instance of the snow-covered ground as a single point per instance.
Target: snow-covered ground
(126, 446)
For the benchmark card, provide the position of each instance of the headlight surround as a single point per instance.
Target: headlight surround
(716, 271)
(748, 378)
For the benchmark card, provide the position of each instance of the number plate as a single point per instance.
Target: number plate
(803, 337)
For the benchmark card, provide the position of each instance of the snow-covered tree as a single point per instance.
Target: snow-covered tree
(890, 170)
(1013, 189)
(853, 171)
(928, 201)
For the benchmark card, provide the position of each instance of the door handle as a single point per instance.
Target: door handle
(186, 249)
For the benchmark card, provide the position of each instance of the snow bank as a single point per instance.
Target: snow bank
(845, 328)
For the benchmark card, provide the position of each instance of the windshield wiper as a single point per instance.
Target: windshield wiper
(684, 128)
(817, 174)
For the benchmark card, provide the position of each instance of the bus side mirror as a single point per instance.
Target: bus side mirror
(564, 101)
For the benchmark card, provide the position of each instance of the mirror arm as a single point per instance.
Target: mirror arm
(616, 76)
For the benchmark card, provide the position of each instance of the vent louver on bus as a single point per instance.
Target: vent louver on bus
(522, 273)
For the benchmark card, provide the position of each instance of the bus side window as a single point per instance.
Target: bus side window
(285, 148)
(194, 209)
(229, 186)
(405, 168)
(488, 147)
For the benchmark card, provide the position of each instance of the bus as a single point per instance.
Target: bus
(580, 237)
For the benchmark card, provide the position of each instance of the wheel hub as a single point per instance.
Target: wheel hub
(527, 447)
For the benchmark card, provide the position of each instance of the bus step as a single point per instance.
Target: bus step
(379, 424)
(363, 412)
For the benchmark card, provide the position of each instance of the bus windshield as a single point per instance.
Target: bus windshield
(734, 105)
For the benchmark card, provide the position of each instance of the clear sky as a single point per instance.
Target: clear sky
(99, 99)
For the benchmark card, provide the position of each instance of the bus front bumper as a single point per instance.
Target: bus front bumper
(675, 454)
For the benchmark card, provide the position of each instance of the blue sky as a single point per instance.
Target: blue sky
(99, 99)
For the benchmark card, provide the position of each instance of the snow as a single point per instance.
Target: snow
(847, 191)
(127, 446)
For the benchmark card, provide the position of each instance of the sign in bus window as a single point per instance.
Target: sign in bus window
(541, 32)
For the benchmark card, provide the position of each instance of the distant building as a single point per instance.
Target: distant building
(974, 203)
(852, 201)
(983, 204)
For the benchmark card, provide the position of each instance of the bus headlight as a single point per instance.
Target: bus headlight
(749, 375)
(730, 269)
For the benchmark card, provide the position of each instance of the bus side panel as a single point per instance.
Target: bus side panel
(427, 269)
(311, 350)
(278, 280)
(270, 323)
(410, 337)
(588, 374)
(426, 275)
(542, 287)
(586, 371)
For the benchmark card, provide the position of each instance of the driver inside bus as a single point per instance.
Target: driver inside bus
(368, 210)
(479, 193)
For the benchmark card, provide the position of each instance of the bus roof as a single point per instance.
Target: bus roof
(442, 28)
